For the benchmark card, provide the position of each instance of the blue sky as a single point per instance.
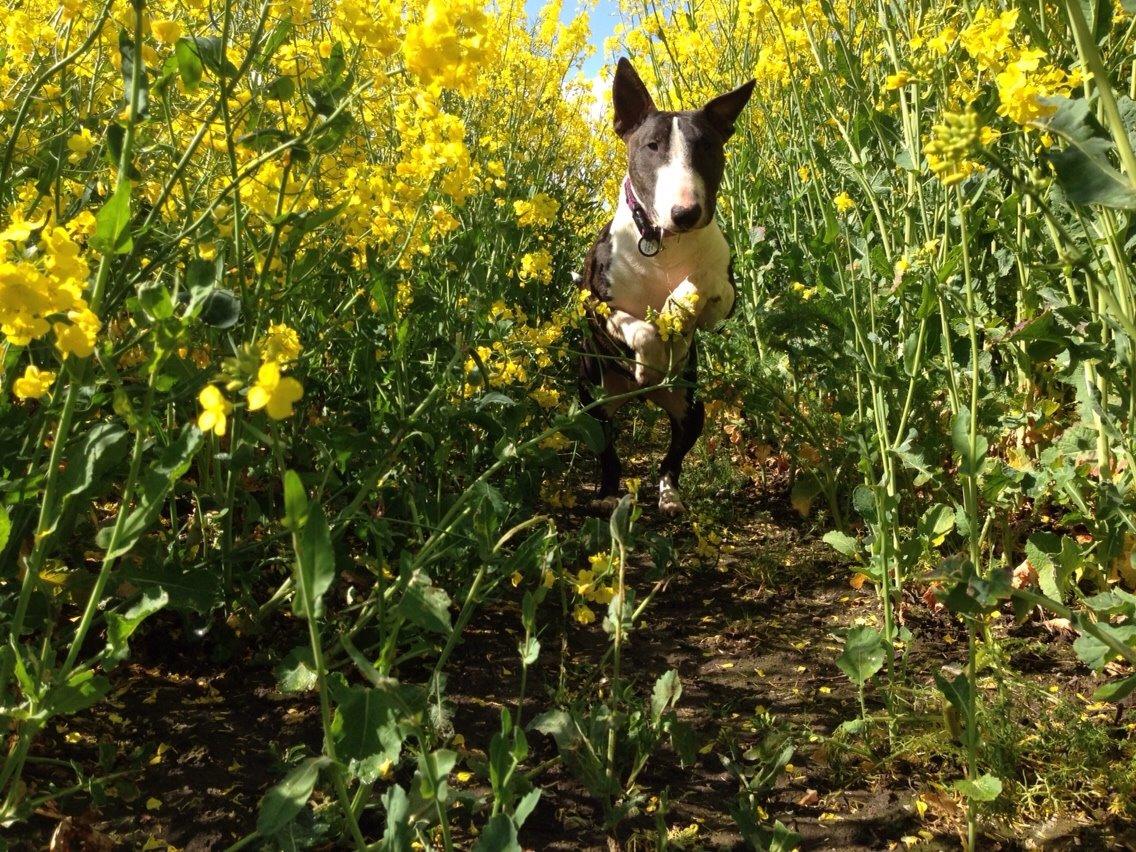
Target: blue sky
(604, 19)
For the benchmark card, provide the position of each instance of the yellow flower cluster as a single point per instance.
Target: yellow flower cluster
(525, 349)
(593, 585)
(537, 212)
(536, 266)
(449, 46)
(677, 314)
(271, 390)
(44, 291)
(1023, 80)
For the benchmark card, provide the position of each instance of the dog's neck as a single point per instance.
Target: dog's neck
(627, 233)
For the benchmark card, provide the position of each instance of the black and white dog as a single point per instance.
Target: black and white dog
(662, 252)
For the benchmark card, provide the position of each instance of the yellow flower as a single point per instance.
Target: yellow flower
(584, 615)
(600, 562)
(539, 212)
(897, 81)
(844, 203)
(536, 266)
(602, 594)
(33, 384)
(215, 410)
(80, 144)
(19, 229)
(545, 397)
(988, 38)
(281, 344)
(1021, 88)
(167, 31)
(555, 441)
(77, 337)
(273, 393)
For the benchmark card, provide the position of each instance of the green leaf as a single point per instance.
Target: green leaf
(499, 835)
(189, 64)
(620, 523)
(5, 527)
(155, 301)
(775, 838)
(985, 788)
(425, 604)
(842, 543)
(297, 672)
(583, 426)
(1092, 651)
(529, 650)
(667, 691)
(957, 692)
(494, 398)
(112, 151)
(155, 486)
(936, 522)
(559, 725)
(121, 627)
(82, 689)
(960, 437)
(525, 807)
(190, 587)
(295, 502)
(99, 453)
(1056, 559)
(283, 802)
(208, 50)
(315, 559)
(1115, 691)
(396, 803)
(863, 654)
(1083, 168)
(112, 224)
(433, 770)
(366, 732)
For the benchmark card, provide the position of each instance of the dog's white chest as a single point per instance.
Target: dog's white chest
(700, 258)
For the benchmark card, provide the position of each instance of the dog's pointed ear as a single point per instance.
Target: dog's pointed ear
(724, 110)
(630, 98)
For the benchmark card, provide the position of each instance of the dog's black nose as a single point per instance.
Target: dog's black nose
(686, 217)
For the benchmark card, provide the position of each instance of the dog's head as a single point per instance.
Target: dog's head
(675, 159)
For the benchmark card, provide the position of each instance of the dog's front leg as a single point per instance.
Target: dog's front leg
(707, 305)
(653, 356)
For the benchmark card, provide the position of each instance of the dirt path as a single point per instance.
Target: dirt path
(753, 633)
(749, 635)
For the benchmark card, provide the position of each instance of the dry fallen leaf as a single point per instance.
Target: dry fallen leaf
(1059, 627)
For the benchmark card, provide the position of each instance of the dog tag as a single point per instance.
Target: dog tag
(649, 246)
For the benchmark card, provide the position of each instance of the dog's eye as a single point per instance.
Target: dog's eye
(654, 146)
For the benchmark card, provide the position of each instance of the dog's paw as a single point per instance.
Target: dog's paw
(603, 505)
(670, 501)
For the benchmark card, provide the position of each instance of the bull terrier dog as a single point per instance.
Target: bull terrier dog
(658, 272)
